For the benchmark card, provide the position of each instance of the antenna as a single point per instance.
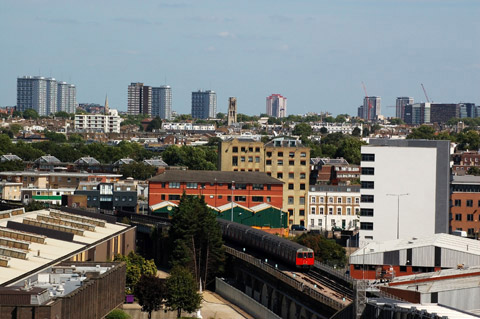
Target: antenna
(425, 92)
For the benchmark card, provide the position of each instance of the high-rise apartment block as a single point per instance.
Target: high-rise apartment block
(370, 110)
(66, 97)
(204, 104)
(45, 95)
(400, 106)
(232, 111)
(282, 158)
(139, 99)
(277, 105)
(404, 189)
(162, 102)
(98, 123)
(417, 113)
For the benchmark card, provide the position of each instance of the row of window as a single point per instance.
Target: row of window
(245, 149)
(291, 186)
(468, 203)
(368, 157)
(321, 200)
(238, 186)
(255, 199)
(290, 175)
(109, 199)
(366, 226)
(290, 154)
(290, 162)
(367, 198)
(366, 184)
(458, 217)
(348, 210)
(368, 171)
(243, 159)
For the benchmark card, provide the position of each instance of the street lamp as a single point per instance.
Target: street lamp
(233, 187)
(398, 211)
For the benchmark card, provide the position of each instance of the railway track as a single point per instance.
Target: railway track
(339, 289)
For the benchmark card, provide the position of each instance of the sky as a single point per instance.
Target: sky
(314, 52)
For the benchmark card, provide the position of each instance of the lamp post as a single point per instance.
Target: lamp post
(233, 187)
(398, 211)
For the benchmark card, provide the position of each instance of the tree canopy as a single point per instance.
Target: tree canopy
(194, 157)
(154, 124)
(150, 291)
(182, 294)
(136, 267)
(30, 114)
(196, 239)
(139, 170)
(338, 145)
(326, 250)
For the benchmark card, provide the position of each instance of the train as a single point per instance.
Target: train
(291, 253)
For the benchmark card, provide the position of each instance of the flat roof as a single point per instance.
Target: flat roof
(215, 177)
(441, 311)
(54, 250)
(466, 179)
(68, 174)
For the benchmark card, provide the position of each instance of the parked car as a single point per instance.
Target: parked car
(298, 227)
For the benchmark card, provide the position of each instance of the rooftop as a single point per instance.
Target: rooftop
(215, 177)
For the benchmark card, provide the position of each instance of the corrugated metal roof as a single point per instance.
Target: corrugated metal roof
(229, 206)
(439, 240)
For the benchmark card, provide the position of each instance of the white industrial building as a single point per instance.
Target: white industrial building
(404, 189)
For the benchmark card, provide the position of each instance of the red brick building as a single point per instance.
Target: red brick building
(249, 188)
(465, 205)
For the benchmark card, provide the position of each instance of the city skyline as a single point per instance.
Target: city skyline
(249, 51)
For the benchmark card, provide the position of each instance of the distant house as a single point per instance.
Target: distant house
(156, 162)
(9, 157)
(123, 161)
(87, 161)
(47, 162)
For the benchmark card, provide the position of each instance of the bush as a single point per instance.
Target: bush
(117, 314)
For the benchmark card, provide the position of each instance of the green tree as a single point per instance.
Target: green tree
(468, 141)
(138, 171)
(194, 157)
(396, 121)
(117, 314)
(214, 141)
(30, 114)
(182, 294)
(8, 166)
(356, 132)
(474, 170)
(154, 124)
(350, 149)
(196, 239)
(136, 267)
(423, 132)
(326, 250)
(15, 128)
(34, 205)
(63, 114)
(323, 130)
(55, 137)
(150, 292)
(221, 116)
(302, 129)
(17, 114)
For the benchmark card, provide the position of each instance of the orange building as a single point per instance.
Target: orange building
(249, 188)
(465, 205)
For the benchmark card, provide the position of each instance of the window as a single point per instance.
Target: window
(257, 199)
(291, 163)
(366, 226)
(250, 149)
(330, 200)
(357, 210)
(458, 202)
(279, 175)
(367, 198)
(192, 185)
(250, 159)
(89, 198)
(330, 210)
(313, 210)
(269, 199)
(312, 199)
(458, 217)
(173, 185)
(290, 200)
(280, 154)
(302, 186)
(130, 198)
(291, 154)
(163, 196)
(302, 175)
(469, 203)
(368, 171)
(302, 200)
(339, 210)
(367, 185)
(321, 200)
(368, 157)
(257, 187)
(349, 200)
(240, 186)
(320, 210)
(471, 231)
(320, 222)
(242, 159)
(312, 222)
(243, 149)
(290, 186)
(235, 160)
(173, 197)
(291, 175)
(269, 187)
(339, 200)
(84, 188)
(349, 211)
(257, 159)
(366, 212)
(257, 149)
(240, 198)
(269, 162)
(280, 162)
(303, 154)
(357, 200)
(470, 217)
(269, 154)
(302, 212)
(303, 163)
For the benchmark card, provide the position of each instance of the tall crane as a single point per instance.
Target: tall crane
(425, 92)
(368, 100)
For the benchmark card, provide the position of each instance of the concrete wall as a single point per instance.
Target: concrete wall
(243, 301)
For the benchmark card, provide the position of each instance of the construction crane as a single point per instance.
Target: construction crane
(368, 100)
(425, 92)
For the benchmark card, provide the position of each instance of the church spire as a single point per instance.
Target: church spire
(106, 105)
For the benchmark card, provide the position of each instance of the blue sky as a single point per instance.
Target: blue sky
(316, 53)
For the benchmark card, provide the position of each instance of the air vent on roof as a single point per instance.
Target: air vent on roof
(410, 242)
(414, 238)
